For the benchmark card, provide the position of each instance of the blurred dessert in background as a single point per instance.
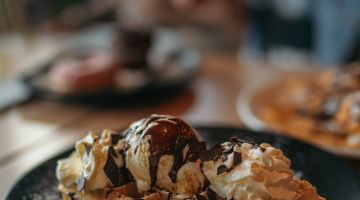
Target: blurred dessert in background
(162, 157)
(321, 108)
(339, 111)
(86, 73)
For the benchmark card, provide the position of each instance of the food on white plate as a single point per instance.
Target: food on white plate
(321, 108)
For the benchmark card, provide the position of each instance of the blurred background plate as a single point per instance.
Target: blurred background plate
(333, 178)
(180, 70)
(257, 96)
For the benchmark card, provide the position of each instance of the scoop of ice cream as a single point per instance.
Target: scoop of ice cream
(162, 153)
(241, 171)
(96, 164)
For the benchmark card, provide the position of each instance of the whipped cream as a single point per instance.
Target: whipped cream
(162, 153)
(247, 172)
(86, 170)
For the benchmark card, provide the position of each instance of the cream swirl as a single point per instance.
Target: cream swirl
(245, 171)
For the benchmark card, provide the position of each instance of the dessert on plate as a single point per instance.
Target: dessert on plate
(86, 73)
(163, 157)
(321, 108)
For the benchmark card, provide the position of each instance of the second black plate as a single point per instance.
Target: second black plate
(183, 61)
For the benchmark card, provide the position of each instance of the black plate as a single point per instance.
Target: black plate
(158, 85)
(333, 178)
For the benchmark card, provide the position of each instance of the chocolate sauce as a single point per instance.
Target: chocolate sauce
(192, 155)
(221, 169)
(168, 136)
(117, 175)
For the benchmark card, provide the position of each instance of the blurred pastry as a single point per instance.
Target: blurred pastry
(320, 108)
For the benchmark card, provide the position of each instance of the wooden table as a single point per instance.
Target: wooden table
(38, 130)
(34, 132)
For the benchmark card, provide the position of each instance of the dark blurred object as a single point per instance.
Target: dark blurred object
(355, 51)
(325, 32)
(282, 28)
(31, 15)
(129, 89)
(133, 47)
(193, 22)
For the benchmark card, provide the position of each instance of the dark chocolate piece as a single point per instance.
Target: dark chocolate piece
(117, 175)
(228, 150)
(111, 169)
(224, 158)
(236, 159)
(115, 138)
(221, 169)
(211, 153)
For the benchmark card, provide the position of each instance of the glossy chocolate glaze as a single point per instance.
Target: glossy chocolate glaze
(118, 175)
(168, 136)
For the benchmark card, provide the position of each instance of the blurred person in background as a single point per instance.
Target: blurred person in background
(326, 32)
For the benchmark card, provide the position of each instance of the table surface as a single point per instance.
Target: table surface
(38, 130)
(34, 132)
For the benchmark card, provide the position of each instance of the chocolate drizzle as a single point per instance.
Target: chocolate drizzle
(192, 155)
(117, 175)
(168, 136)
